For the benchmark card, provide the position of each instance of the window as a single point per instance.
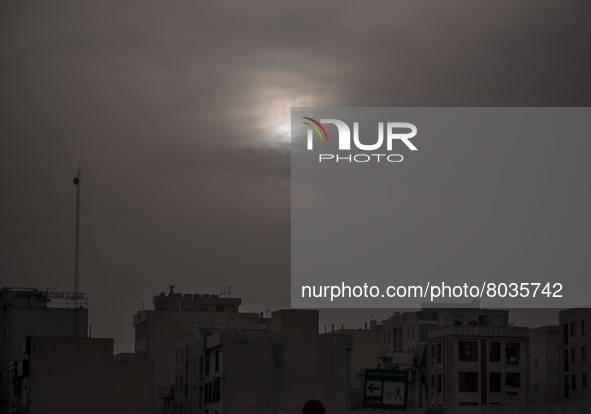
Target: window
(439, 384)
(423, 332)
(512, 354)
(566, 387)
(573, 327)
(584, 380)
(432, 351)
(565, 334)
(217, 389)
(573, 354)
(512, 383)
(495, 381)
(583, 354)
(583, 327)
(217, 361)
(496, 321)
(536, 363)
(574, 382)
(439, 353)
(468, 382)
(565, 357)
(536, 388)
(207, 393)
(495, 352)
(467, 351)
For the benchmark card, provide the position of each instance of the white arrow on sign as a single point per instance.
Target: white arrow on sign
(373, 388)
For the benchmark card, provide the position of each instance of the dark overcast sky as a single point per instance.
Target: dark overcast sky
(177, 114)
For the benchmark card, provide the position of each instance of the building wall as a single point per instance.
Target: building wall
(195, 302)
(367, 344)
(251, 370)
(81, 376)
(575, 360)
(44, 322)
(544, 365)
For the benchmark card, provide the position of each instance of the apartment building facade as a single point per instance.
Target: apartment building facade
(258, 370)
(477, 365)
(574, 358)
(173, 316)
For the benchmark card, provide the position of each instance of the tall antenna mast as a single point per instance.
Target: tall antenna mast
(78, 185)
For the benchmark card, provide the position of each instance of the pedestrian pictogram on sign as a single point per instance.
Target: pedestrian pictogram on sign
(385, 389)
(393, 393)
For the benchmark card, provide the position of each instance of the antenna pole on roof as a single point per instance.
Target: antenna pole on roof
(78, 185)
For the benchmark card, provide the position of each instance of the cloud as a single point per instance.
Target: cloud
(176, 112)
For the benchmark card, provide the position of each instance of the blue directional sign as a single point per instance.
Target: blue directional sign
(385, 389)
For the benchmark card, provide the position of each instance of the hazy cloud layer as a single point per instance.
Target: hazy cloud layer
(177, 113)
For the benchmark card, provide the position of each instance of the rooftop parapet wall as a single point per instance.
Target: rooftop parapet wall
(479, 331)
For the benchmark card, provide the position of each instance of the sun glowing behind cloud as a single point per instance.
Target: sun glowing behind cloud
(273, 95)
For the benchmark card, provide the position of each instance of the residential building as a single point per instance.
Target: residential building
(574, 358)
(258, 370)
(175, 314)
(27, 312)
(477, 365)
(406, 335)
